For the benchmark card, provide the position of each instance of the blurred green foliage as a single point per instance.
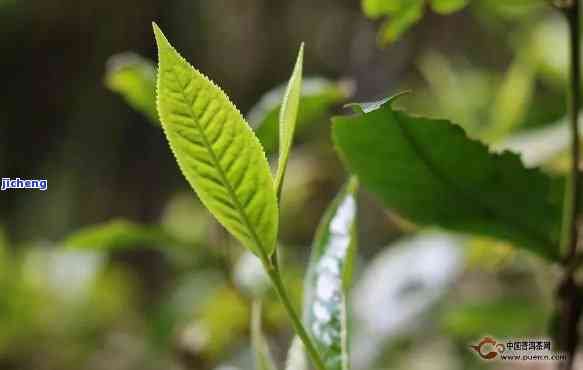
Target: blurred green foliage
(154, 283)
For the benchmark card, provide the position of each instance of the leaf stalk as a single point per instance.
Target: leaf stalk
(273, 272)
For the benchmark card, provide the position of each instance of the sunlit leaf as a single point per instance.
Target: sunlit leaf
(287, 119)
(378, 8)
(318, 96)
(120, 234)
(217, 152)
(134, 78)
(448, 6)
(432, 173)
(328, 278)
(296, 356)
(263, 359)
(222, 320)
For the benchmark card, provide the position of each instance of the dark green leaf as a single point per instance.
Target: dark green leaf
(432, 173)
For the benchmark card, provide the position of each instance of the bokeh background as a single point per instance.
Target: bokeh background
(117, 265)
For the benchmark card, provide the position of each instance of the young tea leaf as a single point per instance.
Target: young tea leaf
(263, 359)
(296, 356)
(328, 277)
(216, 151)
(432, 173)
(287, 119)
(134, 78)
(318, 96)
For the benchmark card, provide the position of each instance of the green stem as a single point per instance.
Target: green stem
(273, 272)
(570, 305)
(573, 188)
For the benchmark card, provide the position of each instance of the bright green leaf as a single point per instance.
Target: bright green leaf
(134, 78)
(119, 234)
(378, 8)
(328, 278)
(296, 356)
(263, 359)
(318, 96)
(287, 119)
(216, 151)
(432, 173)
(448, 6)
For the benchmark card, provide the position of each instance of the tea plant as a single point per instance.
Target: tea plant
(225, 164)
(428, 170)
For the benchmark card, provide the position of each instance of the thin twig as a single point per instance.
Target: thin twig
(570, 307)
(275, 276)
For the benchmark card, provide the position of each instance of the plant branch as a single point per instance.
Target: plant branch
(275, 276)
(570, 307)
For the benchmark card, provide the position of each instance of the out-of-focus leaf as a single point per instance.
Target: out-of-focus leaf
(217, 151)
(68, 274)
(537, 146)
(419, 167)
(318, 96)
(403, 14)
(448, 6)
(287, 119)
(3, 247)
(378, 8)
(502, 318)
(223, 319)
(185, 218)
(134, 78)
(296, 357)
(120, 234)
(550, 50)
(328, 278)
(513, 99)
(399, 22)
(263, 359)
(404, 280)
(460, 92)
(250, 275)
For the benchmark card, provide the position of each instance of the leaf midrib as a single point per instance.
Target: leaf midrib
(426, 159)
(221, 172)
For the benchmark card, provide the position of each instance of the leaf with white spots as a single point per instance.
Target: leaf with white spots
(329, 276)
